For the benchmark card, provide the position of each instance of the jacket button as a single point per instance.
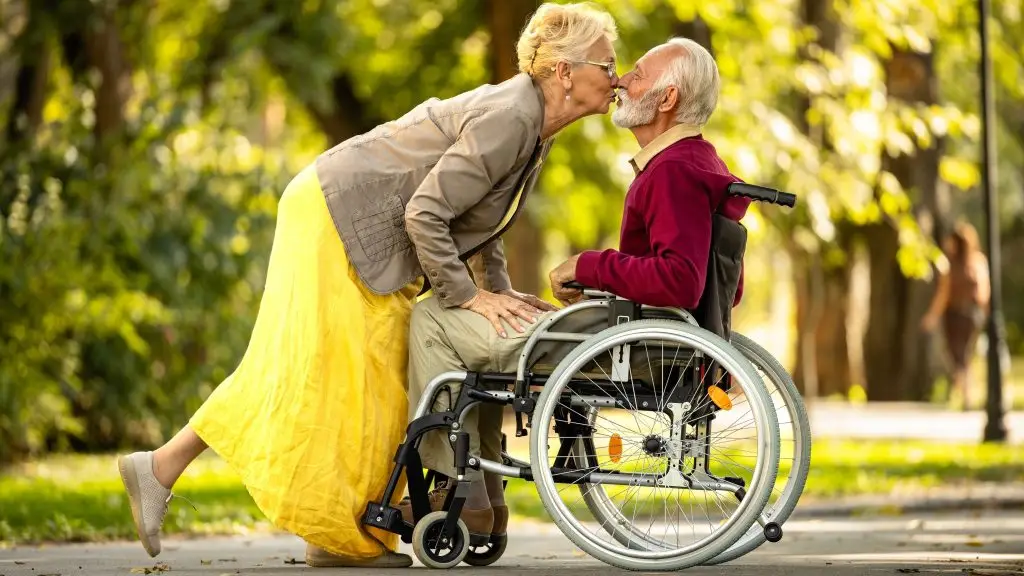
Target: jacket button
(442, 294)
(433, 273)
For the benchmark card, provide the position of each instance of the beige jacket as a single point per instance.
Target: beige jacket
(416, 195)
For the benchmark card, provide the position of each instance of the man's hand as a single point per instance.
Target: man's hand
(529, 299)
(565, 272)
(494, 307)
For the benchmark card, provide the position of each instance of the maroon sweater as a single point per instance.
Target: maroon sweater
(666, 229)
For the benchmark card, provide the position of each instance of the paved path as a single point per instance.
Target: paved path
(906, 420)
(989, 543)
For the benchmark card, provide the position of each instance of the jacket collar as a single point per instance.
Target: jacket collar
(660, 143)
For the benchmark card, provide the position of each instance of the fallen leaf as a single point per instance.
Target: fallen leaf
(293, 561)
(974, 543)
(206, 562)
(154, 570)
(908, 570)
(20, 562)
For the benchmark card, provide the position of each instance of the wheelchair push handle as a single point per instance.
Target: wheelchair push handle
(762, 194)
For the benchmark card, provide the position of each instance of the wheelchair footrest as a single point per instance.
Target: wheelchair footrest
(385, 518)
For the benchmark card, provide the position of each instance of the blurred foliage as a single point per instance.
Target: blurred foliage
(133, 243)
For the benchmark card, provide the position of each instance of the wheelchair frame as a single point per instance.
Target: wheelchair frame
(523, 401)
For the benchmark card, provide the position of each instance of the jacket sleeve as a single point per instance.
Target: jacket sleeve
(494, 266)
(677, 215)
(488, 146)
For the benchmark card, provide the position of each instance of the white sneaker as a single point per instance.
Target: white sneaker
(146, 496)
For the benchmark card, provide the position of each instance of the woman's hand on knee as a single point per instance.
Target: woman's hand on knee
(529, 299)
(497, 307)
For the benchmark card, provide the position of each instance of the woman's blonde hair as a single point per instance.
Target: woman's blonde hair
(558, 32)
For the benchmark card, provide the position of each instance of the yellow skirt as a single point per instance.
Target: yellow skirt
(313, 414)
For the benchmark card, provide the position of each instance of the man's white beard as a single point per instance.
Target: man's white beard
(632, 113)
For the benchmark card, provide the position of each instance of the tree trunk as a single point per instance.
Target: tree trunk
(34, 55)
(805, 280)
(347, 116)
(822, 303)
(823, 366)
(105, 54)
(696, 30)
(524, 241)
(899, 356)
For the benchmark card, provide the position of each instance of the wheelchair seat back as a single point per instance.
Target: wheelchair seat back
(725, 265)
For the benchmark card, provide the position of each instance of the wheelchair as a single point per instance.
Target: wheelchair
(655, 444)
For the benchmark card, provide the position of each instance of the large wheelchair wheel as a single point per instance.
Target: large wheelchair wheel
(795, 457)
(674, 429)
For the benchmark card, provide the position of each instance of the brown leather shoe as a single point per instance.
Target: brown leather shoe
(500, 520)
(319, 558)
(480, 522)
(435, 497)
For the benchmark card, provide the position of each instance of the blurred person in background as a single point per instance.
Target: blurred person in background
(961, 303)
(311, 417)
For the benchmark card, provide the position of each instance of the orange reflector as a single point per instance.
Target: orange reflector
(720, 397)
(615, 447)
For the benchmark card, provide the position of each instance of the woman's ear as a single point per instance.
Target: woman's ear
(563, 71)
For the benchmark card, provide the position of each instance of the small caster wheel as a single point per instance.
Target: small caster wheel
(435, 551)
(772, 532)
(489, 554)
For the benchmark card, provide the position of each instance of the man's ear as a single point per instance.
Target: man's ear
(669, 99)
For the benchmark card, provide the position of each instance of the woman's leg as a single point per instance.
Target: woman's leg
(171, 459)
(148, 478)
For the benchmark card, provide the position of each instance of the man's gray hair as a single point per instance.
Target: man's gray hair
(695, 75)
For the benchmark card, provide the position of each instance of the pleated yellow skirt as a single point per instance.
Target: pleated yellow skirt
(311, 417)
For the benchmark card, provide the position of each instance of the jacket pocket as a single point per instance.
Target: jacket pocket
(380, 228)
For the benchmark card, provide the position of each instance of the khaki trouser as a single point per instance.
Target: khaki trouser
(442, 340)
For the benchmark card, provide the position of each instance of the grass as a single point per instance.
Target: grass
(846, 468)
(80, 498)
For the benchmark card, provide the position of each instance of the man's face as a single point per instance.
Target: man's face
(638, 100)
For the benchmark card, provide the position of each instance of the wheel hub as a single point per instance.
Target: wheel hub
(655, 445)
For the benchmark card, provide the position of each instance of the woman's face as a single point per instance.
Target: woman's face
(594, 81)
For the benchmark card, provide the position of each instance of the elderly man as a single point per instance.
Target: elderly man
(662, 258)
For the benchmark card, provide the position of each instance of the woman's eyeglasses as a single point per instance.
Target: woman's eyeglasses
(609, 67)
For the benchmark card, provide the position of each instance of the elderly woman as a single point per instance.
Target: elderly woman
(312, 415)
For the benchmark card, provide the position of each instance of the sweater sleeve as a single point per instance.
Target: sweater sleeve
(676, 211)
